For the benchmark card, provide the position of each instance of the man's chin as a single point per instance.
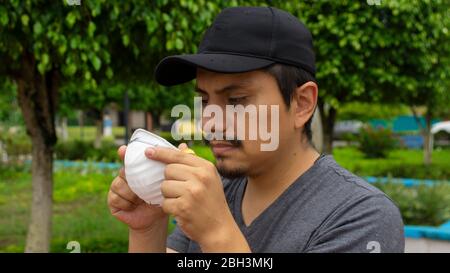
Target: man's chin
(229, 172)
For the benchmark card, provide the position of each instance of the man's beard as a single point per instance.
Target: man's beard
(227, 172)
(230, 173)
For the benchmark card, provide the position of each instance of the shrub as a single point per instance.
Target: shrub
(376, 142)
(402, 170)
(85, 150)
(420, 205)
(16, 143)
(13, 170)
(72, 150)
(106, 153)
(400, 163)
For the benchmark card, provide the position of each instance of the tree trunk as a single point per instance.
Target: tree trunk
(426, 133)
(156, 122)
(37, 96)
(64, 132)
(99, 133)
(148, 121)
(427, 141)
(39, 229)
(81, 124)
(328, 115)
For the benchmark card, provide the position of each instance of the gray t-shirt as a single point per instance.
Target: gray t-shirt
(327, 209)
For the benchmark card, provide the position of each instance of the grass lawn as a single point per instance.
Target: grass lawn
(80, 212)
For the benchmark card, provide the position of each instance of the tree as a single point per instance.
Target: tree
(342, 32)
(423, 59)
(413, 64)
(375, 53)
(45, 46)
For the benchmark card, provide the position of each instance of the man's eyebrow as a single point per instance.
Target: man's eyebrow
(199, 90)
(227, 88)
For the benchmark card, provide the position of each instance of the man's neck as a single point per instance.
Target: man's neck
(289, 168)
(263, 189)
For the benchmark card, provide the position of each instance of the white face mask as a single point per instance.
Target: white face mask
(144, 176)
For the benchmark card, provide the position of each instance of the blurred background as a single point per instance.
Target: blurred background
(76, 78)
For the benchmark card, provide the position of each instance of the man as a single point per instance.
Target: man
(290, 199)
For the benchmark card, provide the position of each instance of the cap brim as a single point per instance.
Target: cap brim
(179, 69)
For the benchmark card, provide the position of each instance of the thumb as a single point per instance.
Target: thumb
(183, 146)
(121, 151)
(185, 149)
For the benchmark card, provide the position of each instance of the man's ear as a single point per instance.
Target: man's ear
(303, 103)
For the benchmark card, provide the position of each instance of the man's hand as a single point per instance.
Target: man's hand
(126, 206)
(194, 195)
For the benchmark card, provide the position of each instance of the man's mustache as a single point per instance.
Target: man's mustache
(234, 142)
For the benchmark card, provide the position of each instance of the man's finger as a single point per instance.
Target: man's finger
(116, 201)
(173, 188)
(121, 188)
(182, 146)
(185, 149)
(122, 173)
(169, 156)
(169, 205)
(121, 151)
(179, 172)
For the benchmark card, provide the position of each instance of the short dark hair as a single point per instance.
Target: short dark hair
(288, 78)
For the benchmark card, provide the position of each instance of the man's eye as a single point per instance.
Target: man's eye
(236, 100)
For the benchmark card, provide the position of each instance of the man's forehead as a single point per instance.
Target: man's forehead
(217, 82)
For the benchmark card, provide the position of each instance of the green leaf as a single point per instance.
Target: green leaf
(179, 44)
(87, 75)
(125, 40)
(169, 27)
(37, 28)
(96, 62)
(95, 46)
(74, 42)
(45, 59)
(71, 19)
(169, 45)
(4, 19)
(154, 41)
(70, 69)
(91, 29)
(62, 49)
(25, 19)
(41, 68)
(109, 73)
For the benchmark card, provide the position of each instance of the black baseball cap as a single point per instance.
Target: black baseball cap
(243, 39)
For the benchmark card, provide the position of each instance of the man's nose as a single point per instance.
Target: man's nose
(219, 122)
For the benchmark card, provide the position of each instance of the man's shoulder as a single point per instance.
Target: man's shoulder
(350, 192)
(335, 176)
(356, 212)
